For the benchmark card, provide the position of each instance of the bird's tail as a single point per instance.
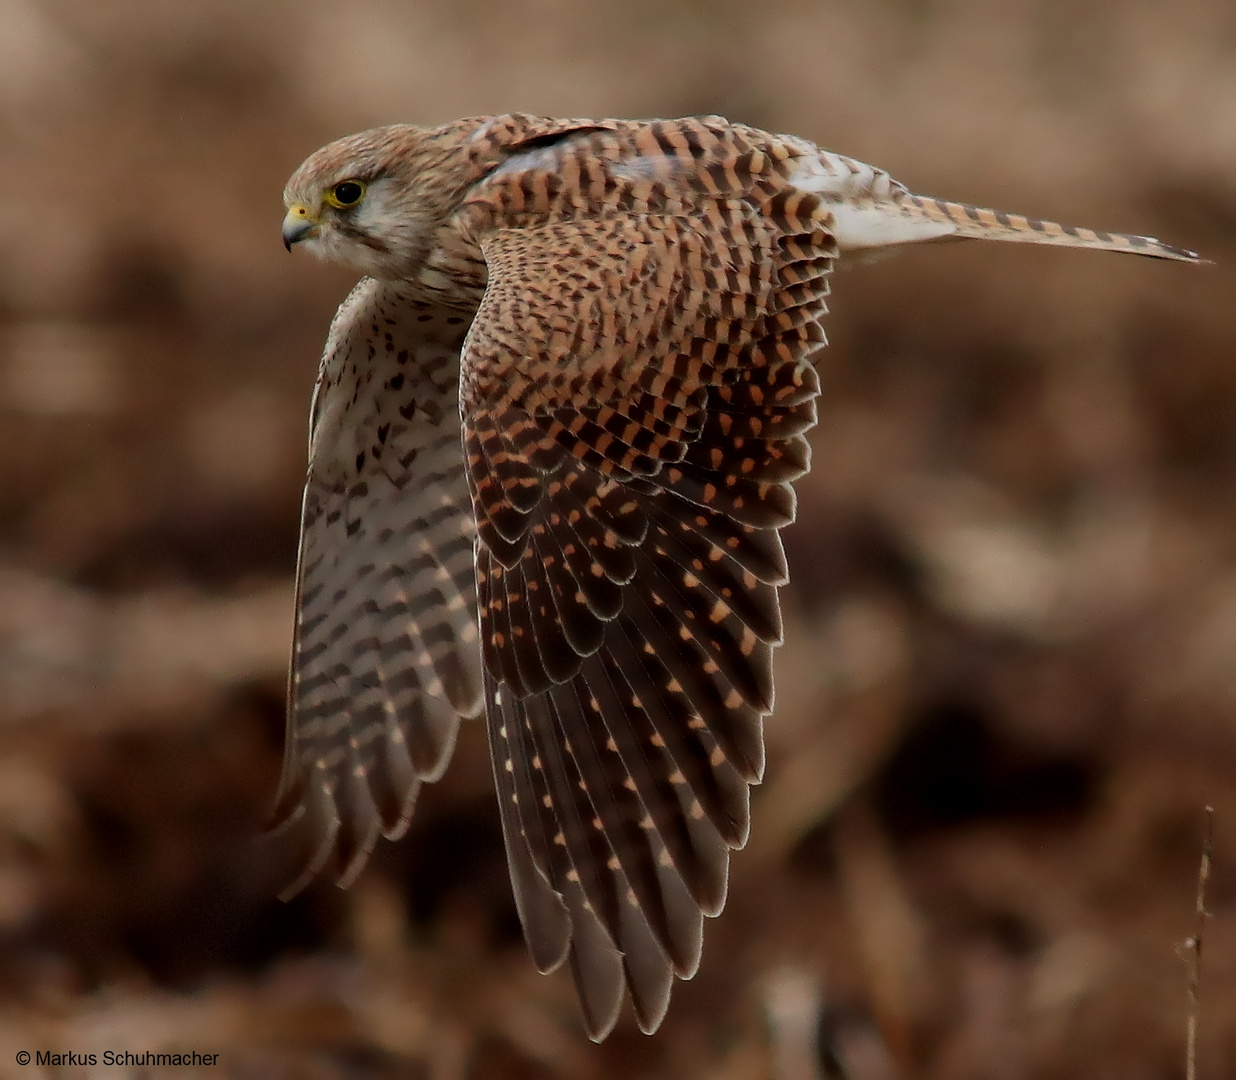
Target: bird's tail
(984, 224)
(869, 209)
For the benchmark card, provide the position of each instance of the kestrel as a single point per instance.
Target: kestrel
(552, 444)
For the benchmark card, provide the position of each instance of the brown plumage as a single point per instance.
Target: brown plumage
(552, 446)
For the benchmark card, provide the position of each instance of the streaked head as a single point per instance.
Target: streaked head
(371, 201)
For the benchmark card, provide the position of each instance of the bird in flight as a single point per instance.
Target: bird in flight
(552, 446)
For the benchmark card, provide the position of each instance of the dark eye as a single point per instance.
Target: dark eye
(348, 192)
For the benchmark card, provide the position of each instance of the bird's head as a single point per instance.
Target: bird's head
(373, 201)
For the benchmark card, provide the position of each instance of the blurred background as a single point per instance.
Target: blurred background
(1009, 682)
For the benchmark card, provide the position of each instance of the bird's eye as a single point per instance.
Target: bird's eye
(345, 193)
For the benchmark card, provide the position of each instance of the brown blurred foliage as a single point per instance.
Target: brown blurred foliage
(1009, 682)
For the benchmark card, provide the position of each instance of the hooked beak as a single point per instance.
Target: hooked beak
(298, 223)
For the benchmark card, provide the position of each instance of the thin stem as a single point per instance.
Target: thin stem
(1194, 946)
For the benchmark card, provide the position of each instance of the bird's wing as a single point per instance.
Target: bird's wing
(635, 390)
(385, 657)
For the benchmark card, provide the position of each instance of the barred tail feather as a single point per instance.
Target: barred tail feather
(984, 224)
(869, 209)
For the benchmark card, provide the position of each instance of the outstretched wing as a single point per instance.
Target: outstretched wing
(636, 387)
(385, 657)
